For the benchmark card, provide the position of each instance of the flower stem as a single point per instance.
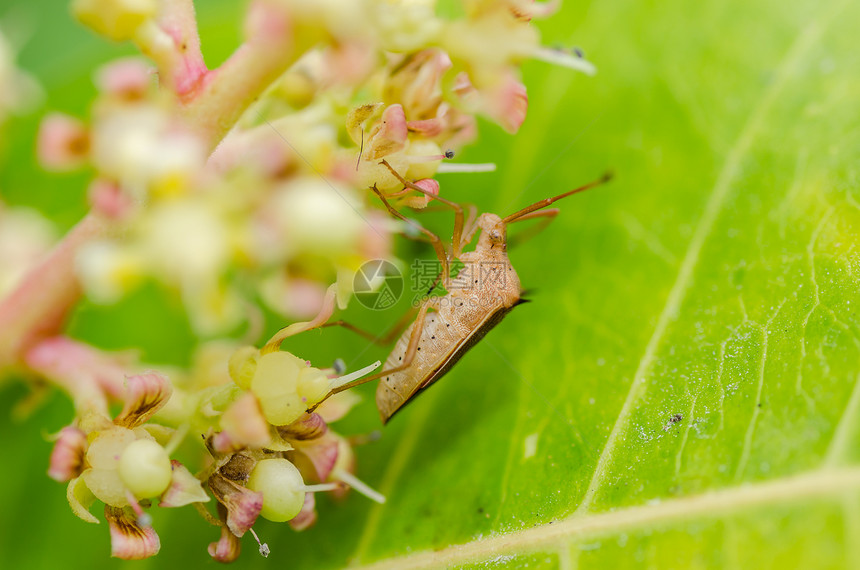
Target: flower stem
(38, 306)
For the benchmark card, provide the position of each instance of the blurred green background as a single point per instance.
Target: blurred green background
(715, 278)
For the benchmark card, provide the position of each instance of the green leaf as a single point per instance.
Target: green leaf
(714, 279)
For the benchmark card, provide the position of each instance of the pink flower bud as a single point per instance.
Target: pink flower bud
(422, 200)
(508, 104)
(427, 128)
(128, 539)
(323, 454)
(428, 184)
(228, 547)
(307, 427)
(67, 457)
(145, 395)
(63, 142)
(243, 425)
(389, 136)
(108, 199)
(127, 79)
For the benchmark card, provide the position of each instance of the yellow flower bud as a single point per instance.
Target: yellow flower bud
(282, 487)
(243, 365)
(144, 468)
(275, 384)
(313, 385)
(116, 19)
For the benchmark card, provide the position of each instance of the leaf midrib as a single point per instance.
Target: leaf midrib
(818, 484)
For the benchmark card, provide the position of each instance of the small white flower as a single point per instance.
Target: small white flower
(184, 242)
(107, 270)
(318, 217)
(145, 150)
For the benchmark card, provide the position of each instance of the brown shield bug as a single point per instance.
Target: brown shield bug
(478, 297)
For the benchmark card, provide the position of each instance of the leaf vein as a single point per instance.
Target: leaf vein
(832, 484)
(805, 40)
(748, 437)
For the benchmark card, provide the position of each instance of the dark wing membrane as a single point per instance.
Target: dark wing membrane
(457, 353)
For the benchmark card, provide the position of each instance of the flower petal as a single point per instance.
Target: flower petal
(228, 547)
(107, 198)
(80, 500)
(145, 395)
(428, 128)
(356, 117)
(507, 103)
(243, 505)
(309, 426)
(107, 486)
(390, 135)
(243, 425)
(129, 540)
(337, 406)
(323, 453)
(416, 82)
(67, 457)
(184, 488)
(126, 79)
(63, 142)
(86, 373)
(525, 10)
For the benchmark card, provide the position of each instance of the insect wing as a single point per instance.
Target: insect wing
(452, 357)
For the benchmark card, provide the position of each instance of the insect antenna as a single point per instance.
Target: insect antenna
(547, 201)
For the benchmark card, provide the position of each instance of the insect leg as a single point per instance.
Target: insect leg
(387, 338)
(458, 209)
(435, 240)
(408, 357)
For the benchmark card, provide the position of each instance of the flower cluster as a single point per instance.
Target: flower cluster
(233, 186)
(262, 444)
